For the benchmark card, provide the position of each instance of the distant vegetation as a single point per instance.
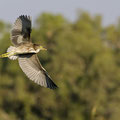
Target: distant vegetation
(83, 58)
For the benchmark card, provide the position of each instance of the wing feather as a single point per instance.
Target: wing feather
(31, 66)
(21, 30)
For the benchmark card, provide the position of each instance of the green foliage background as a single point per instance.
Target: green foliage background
(83, 58)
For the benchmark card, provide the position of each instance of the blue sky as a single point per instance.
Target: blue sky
(109, 9)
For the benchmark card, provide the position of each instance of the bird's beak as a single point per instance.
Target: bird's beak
(42, 48)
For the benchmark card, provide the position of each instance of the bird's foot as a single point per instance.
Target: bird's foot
(8, 54)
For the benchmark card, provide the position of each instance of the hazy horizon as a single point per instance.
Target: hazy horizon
(109, 10)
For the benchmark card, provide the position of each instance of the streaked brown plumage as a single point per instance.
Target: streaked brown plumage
(26, 52)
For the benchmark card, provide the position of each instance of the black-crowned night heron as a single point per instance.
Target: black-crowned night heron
(26, 52)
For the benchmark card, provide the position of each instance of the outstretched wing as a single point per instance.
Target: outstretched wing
(21, 30)
(31, 66)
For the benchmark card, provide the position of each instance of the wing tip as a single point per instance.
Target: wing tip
(51, 84)
(27, 17)
(53, 87)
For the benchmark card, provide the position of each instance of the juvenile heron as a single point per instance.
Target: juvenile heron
(26, 53)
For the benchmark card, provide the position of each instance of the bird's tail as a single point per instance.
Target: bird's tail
(10, 53)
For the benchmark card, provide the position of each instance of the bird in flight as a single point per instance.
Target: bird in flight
(26, 52)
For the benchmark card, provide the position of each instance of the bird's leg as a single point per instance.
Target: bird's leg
(8, 54)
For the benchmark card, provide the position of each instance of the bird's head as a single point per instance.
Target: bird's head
(39, 47)
(42, 48)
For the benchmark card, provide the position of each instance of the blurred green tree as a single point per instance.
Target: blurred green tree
(82, 58)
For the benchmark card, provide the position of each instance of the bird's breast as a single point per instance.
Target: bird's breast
(24, 50)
